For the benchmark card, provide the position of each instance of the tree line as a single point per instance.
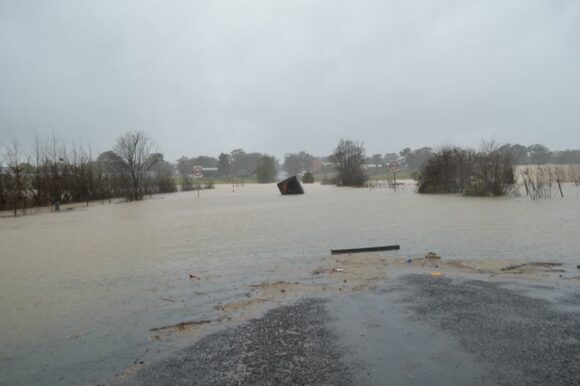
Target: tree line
(414, 159)
(54, 174)
(487, 171)
(241, 164)
(236, 164)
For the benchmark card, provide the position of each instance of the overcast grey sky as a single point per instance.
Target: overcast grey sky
(282, 76)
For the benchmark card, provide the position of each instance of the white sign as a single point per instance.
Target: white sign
(198, 171)
(394, 165)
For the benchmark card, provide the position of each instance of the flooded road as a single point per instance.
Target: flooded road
(80, 289)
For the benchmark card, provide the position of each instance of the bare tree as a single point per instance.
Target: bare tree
(3, 193)
(80, 181)
(494, 171)
(16, 183)
(57, 161)
(39, 188)
(135, 149)
(348, 159)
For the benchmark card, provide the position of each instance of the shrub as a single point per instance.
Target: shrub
(308, 178)
(488, 172)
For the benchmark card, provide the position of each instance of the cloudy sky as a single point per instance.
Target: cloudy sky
(282, 76)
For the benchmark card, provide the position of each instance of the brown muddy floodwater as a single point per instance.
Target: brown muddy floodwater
(80, 289)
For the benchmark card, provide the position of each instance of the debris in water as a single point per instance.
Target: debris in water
(290, 186)
(542, 264)
(432, 255)
(436, 274)
(366, 249)
(181, 325)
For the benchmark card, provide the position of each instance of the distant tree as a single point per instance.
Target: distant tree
(185, 169)
(403, 155)
(163, 171)
(16, 172)
(567, 157)
(377, 160)
(244, 164)
(3, 192)
(224, 165)
(39, 186)
(414, 160)
(55, 160)
(266, 169)
(296, 163)
(388, 157)
(134, 148)
(79, 174)
(539, 154)
(348, 159)
(206, 161)
(237, 162)
(305, 160)
(185, 166)
(111, 162)
(292, 164)
(519, 154)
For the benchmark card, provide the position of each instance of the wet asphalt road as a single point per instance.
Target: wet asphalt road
(290, 345)
(415, 330)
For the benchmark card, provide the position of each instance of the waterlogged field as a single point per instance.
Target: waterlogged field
(81, 289)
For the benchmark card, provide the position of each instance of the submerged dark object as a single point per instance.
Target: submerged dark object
(290, 186)
(367, 249)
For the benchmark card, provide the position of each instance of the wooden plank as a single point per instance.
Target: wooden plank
(367, 249)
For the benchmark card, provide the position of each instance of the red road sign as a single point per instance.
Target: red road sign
(198, 171)
(394, 165)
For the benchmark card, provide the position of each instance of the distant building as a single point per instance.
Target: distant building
(316, 165)
(319, 166)
(210, 172)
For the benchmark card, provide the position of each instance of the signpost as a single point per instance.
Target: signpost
(394, 166)
(198, 173)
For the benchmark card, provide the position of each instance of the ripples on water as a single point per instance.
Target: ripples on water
(80, 289)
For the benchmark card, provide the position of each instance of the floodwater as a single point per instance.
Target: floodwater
(80, 289)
